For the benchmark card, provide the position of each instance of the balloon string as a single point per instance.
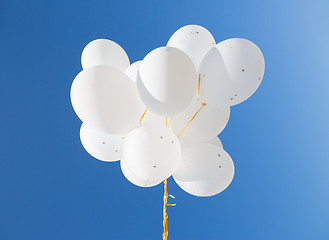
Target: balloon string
(143, 116)
(165, 215)
(203, 104)
(199, 83)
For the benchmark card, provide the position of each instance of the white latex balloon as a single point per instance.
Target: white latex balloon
(194, 40)
(102, 146)
(215, 87)
(149, 117)
(132, 70)
(208, 122)
(216, 141)
(106, 99)
(234, 68)
(167, 81)
(135, 180)
(152, 152)
(206, 170)
(104, 52)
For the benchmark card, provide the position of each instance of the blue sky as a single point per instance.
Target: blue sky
(50, 188)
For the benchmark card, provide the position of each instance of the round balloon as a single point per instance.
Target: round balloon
(106, 99)
(215, 86)
(206, 170)
(104, 52)
(132, 70)
(208, 121)
(152, 152)
(135, 180)
(194, 40)
(167, 81)
(149, 116)
(102, 146)
(236, 66)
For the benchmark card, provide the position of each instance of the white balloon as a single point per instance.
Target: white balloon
(152, 152)
(234, 68)
(216, 141)
(167, 81)
(245, 65)
(106, 99)
(215, 85)
(207, 123)
(136, 180)
(194, 40)
(104, 52)
(206, 170)
(149, 117)
(102, 146)
(132, 70)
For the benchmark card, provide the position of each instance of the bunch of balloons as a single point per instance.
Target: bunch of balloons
(161, 116)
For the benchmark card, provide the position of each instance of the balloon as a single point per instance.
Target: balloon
(167, 81)
(206, 170)
(102, 146)
(215, 85)
(194, 40)
(149, 117)
(106, 99)
(235, 66)
(135, 180)
(104, 52)
(132, 70)
(216, 141)
(152, 152)
(207, 123)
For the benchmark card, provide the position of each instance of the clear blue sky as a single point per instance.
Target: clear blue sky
(50, 188)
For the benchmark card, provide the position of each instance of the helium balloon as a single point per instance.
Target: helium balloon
(208, 121)
(135, 180)
(149, 116)
(132, 70)
(102, 146)
(215, 86)
(167, 81)
(216, 141)
(106, 99)
(206, 170)
(245, 65)
(104, 52)
(152, 152)
(194, 40)
(239, 62)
